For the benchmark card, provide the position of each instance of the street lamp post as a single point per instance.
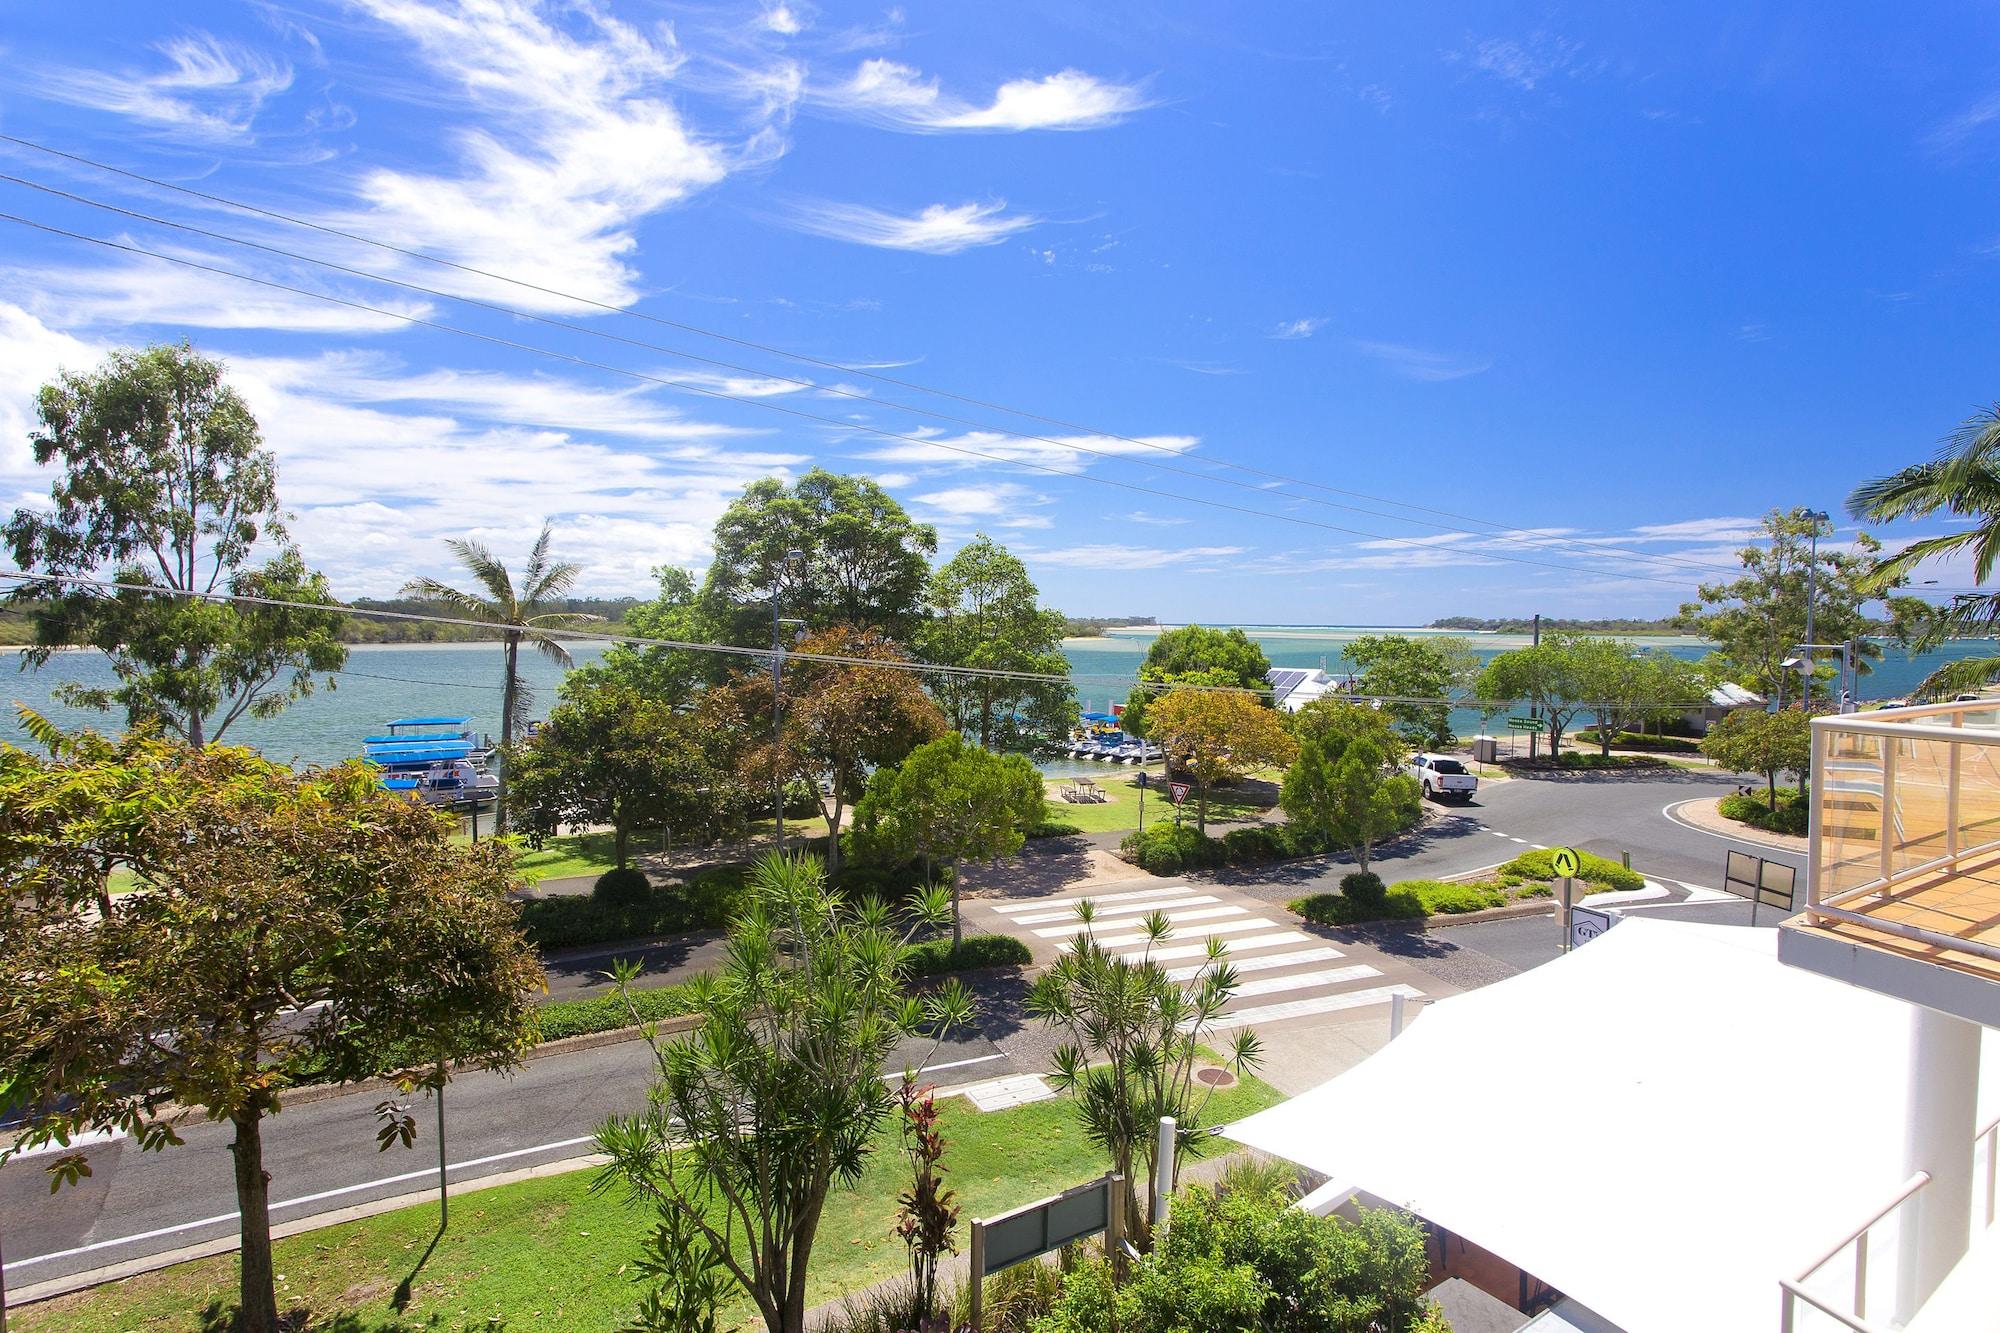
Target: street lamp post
(1812, 574)
(792, 557)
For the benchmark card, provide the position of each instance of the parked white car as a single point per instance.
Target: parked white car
(1442, 777)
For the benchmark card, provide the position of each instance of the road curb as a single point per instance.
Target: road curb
(1777, 842)
(97, 1277)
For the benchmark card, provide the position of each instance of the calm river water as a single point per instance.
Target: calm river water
(402, 680)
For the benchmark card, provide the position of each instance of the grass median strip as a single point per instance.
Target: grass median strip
(549, 1254)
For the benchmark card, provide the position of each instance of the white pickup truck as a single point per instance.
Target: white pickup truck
(1442, 777)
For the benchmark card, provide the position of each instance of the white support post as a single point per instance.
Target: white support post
(1951, 795)
(1163, 1169)
(1396, 1015)
(1816, 776)
(1887, 849)
(1939, 1139)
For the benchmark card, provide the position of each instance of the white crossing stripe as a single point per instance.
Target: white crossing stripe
(1125, 909)
(1330, 976)
(1297, 958)
(1037, 904)
(1199, 928)
(1321, 1004)
(1174, 919)
(1197, 950)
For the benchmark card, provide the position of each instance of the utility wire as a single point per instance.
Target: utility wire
(818, 418)
(1500, 531)
(765, 654)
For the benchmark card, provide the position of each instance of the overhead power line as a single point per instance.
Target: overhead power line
(835, 422)
(1499, 532)
(758, 654)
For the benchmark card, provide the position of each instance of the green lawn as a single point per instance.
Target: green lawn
(1120, 814)
(547, 1254)
(590, 853)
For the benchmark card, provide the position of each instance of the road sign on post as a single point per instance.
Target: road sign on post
(1765, 883)
(1565, 862)
(1587, 923)
(1049, 1224)
(1180, 792)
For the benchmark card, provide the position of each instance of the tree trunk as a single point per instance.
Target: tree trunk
(1771, 790)
(507, 701)
(985, 713)
(833, 832)
(257, 1290)
(620, 838)
(1201, 807)
(1603, 736)
(957, 924)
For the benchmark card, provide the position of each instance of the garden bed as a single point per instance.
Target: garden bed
(1528, 876)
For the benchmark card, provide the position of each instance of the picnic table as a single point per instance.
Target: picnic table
(1083, 791)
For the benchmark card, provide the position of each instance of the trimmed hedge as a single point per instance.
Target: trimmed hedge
(1584, 759)
(1538, 866)
(935, 958)
(1640, 740)
(1365, 889)
(1051, 828)
(1337, 909)
(1792, 814)
(1164, 849)
(606, 1013)
(622, 887)
(704, 902)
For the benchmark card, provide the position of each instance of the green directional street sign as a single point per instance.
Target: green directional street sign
(1525, 723)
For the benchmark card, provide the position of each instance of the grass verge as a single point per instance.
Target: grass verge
(548, 1254)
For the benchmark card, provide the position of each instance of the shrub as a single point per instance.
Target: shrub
(1052, 828)
(1165, 849)
(1015, 1298)
(1640, 740)
(1441, 898)
(622, 887)
(1259, 842)
(1364, 888)
(607, 1013)
(1536, 865)
(935, 958)
(1792, 813)
(1334, 909)
(705, 902)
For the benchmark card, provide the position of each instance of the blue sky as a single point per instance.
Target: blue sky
(1589, 287)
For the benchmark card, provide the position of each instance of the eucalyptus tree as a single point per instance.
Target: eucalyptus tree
(985, 613)
(1346, 792)
(1133, 1041)
(521, 611)
(1415, 678)
(778, 1098)
(285, 927)
(1195, 655)
(165, 489)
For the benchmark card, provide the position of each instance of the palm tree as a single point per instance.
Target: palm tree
(518, 610)
(1962, 480)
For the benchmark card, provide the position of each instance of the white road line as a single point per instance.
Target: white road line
(78, 1142)
(1037, 904)
(1201, 928)
(1512, 838)
(1174, 919)
(1324, 1004)
(428, 1173)
(1496, 833)
(1125, 910)
(953, 1064)
(1197, 950)
(1329, 976)
(1297, 958)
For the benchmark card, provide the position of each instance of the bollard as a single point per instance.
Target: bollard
(1396, 1015)
(1626, 859)
(1163, 1170)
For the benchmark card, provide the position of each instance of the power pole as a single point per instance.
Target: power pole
(1535, 709)
(1812, 572)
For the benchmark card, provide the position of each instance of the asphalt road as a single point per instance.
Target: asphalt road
(322, 1155)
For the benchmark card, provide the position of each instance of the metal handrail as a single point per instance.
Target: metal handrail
(1794, 1288)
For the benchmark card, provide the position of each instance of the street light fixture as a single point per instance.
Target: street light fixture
(1803, 664)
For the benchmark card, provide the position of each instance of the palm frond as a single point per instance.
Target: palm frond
(550, 583)
(1968, 675)
(486, 568)
(465, 603)
(538, 561)
(551, 649)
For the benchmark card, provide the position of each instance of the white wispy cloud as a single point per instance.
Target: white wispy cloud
(940, 229)
(1418, 363)
(1298, 328)
(783, 20)
(142, 292)
(570, 139)
(1952, 132)
(1003, 504)
(1157, 520)
(1120, 557)
(208, 89)
(1525, 63)
(1064, 453)
(900, 97)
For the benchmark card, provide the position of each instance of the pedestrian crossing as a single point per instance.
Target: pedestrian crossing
(1284, 973)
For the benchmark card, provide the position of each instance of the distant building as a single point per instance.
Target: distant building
(1294, 687)
(1723, 700)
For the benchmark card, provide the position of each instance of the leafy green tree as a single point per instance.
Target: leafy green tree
(953, 802)
(1629, 689)
(840, 720)
(674, 675)
(618, 757)
(777, 1098)
(1758, 619)
(165, 484)
(985, 613)
(1963, 481)
(1133, 1039)
(284, 924)
(1217, 736)
(1196, 655)
(520, 611)
(864, 562)
(1404, 671)
(1749, 740)
(1344, 791)
(1334, 723)
(1552, 676)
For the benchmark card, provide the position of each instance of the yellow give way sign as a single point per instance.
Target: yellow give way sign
(1565, 862)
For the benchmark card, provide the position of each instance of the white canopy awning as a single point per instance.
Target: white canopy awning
(1660, 1124)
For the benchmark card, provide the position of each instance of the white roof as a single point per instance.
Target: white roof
(1660, 1124)
(1731, 695)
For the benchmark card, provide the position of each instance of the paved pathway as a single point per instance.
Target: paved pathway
(1290, 971)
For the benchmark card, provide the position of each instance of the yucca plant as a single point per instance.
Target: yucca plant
(520, 612)
(1135, 1036)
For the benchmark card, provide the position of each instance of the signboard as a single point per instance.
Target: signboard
(1180, 791)
(1525, 723)
(1739, 874)
(1003, 1241)
(1777, 885)
(1587, 923)
(1765, 883)
(1565, 862)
